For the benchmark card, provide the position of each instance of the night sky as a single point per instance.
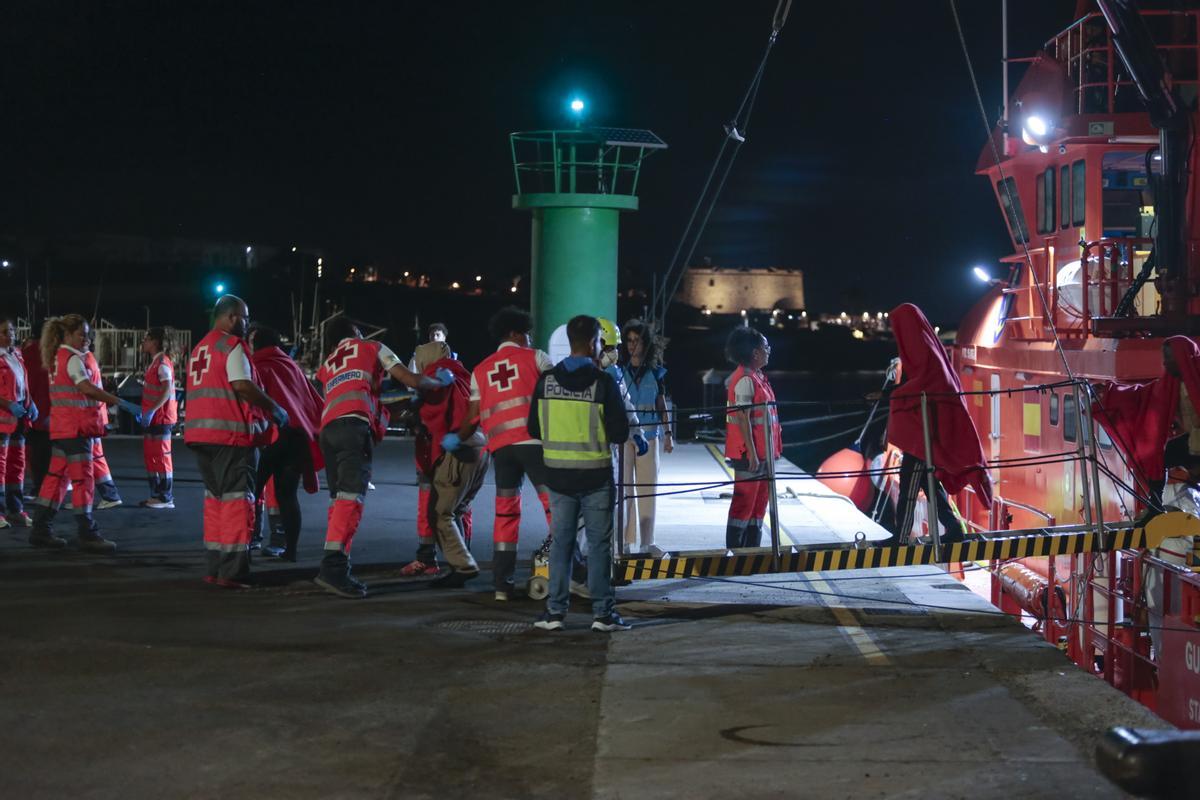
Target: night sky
(378, 131)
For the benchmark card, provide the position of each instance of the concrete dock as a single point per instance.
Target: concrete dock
(127, 677)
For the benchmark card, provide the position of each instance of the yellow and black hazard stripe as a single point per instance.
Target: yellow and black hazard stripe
(760, 561)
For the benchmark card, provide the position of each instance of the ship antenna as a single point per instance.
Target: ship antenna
(1007, 189)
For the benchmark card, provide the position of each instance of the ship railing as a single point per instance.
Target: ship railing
(762, 414)
(1086, 51)
(1076, 291)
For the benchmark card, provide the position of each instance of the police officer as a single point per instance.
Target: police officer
(578, 413)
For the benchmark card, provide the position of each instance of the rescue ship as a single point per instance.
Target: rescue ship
(1094, 169)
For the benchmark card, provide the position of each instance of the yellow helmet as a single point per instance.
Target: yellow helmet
(610, 334)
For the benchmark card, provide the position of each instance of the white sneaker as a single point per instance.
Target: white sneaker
(103, 504)
(503, 597)
(159, 503)
(4, 523)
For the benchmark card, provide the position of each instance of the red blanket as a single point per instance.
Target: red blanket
(1139, 416)
(285, 383)
(957, 453)
(441, 412)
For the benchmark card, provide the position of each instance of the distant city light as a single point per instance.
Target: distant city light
(293, 248)
(513, 290)
(352, 270)
(5, 264)
(455, 285)
(981, 274)
(478, 278)
(406, 273)
(248, 248)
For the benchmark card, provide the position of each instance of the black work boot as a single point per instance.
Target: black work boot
(90, 540)
(504, 564)
(334, 577)
(454, 579)
(40, 534)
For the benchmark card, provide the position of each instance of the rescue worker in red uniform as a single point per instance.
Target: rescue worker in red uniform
(295, 456)
(76, 423)
(353, 421)
(160, 412)
(747, 393)
(501, 388)
(17, 412)
(106, 487)
(227, 420)
(454, 477)
(37, 432)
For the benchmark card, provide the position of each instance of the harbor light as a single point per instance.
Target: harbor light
(577, 105)
(478, 278)
(1035, 131)
(219, 288)
(981, 274)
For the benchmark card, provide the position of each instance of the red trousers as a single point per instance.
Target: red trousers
(160, 468)
(70, 464)
(751, 492)
(229, 480)
(12, 470)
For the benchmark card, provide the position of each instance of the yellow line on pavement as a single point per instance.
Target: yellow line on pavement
(849, 625)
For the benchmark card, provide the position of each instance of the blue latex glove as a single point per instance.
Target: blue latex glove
(33, 412)
(280, 416)
(451, 442)
(16, 409)
(641, 444)
(132, 409)
(445, 376)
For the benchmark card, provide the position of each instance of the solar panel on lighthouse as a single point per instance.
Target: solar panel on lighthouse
(629, 137)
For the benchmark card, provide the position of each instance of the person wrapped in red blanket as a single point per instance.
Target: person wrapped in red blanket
(1156, 424)
(958, 460)
(295, 456)
(454, 477)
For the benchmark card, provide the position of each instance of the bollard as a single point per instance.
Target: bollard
(773, 499)
(930, 481)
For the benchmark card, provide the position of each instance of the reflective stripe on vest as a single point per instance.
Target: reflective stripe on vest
(350, 379)
(573, 436)
(506, 380)
(153, 390)
(215, 413)
(72, 414)
(735, 446)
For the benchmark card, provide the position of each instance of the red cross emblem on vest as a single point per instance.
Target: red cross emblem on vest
(337, 361)
(200, 364)
(502, 375)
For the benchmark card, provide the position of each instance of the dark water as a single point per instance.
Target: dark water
(821, 412)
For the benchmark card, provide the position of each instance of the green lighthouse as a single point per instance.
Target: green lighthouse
(576, 183)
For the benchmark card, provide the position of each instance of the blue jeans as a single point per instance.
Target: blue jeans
(597, 509)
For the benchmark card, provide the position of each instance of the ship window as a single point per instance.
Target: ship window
(1053, 408)
(1078, 169)
(1127, 193)
(1010, 202)
(1070, 422)
(1045, 201)
(1064, 197)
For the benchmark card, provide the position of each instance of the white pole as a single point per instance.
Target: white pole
(930, 481)
(773, 499)
(1004, 68)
